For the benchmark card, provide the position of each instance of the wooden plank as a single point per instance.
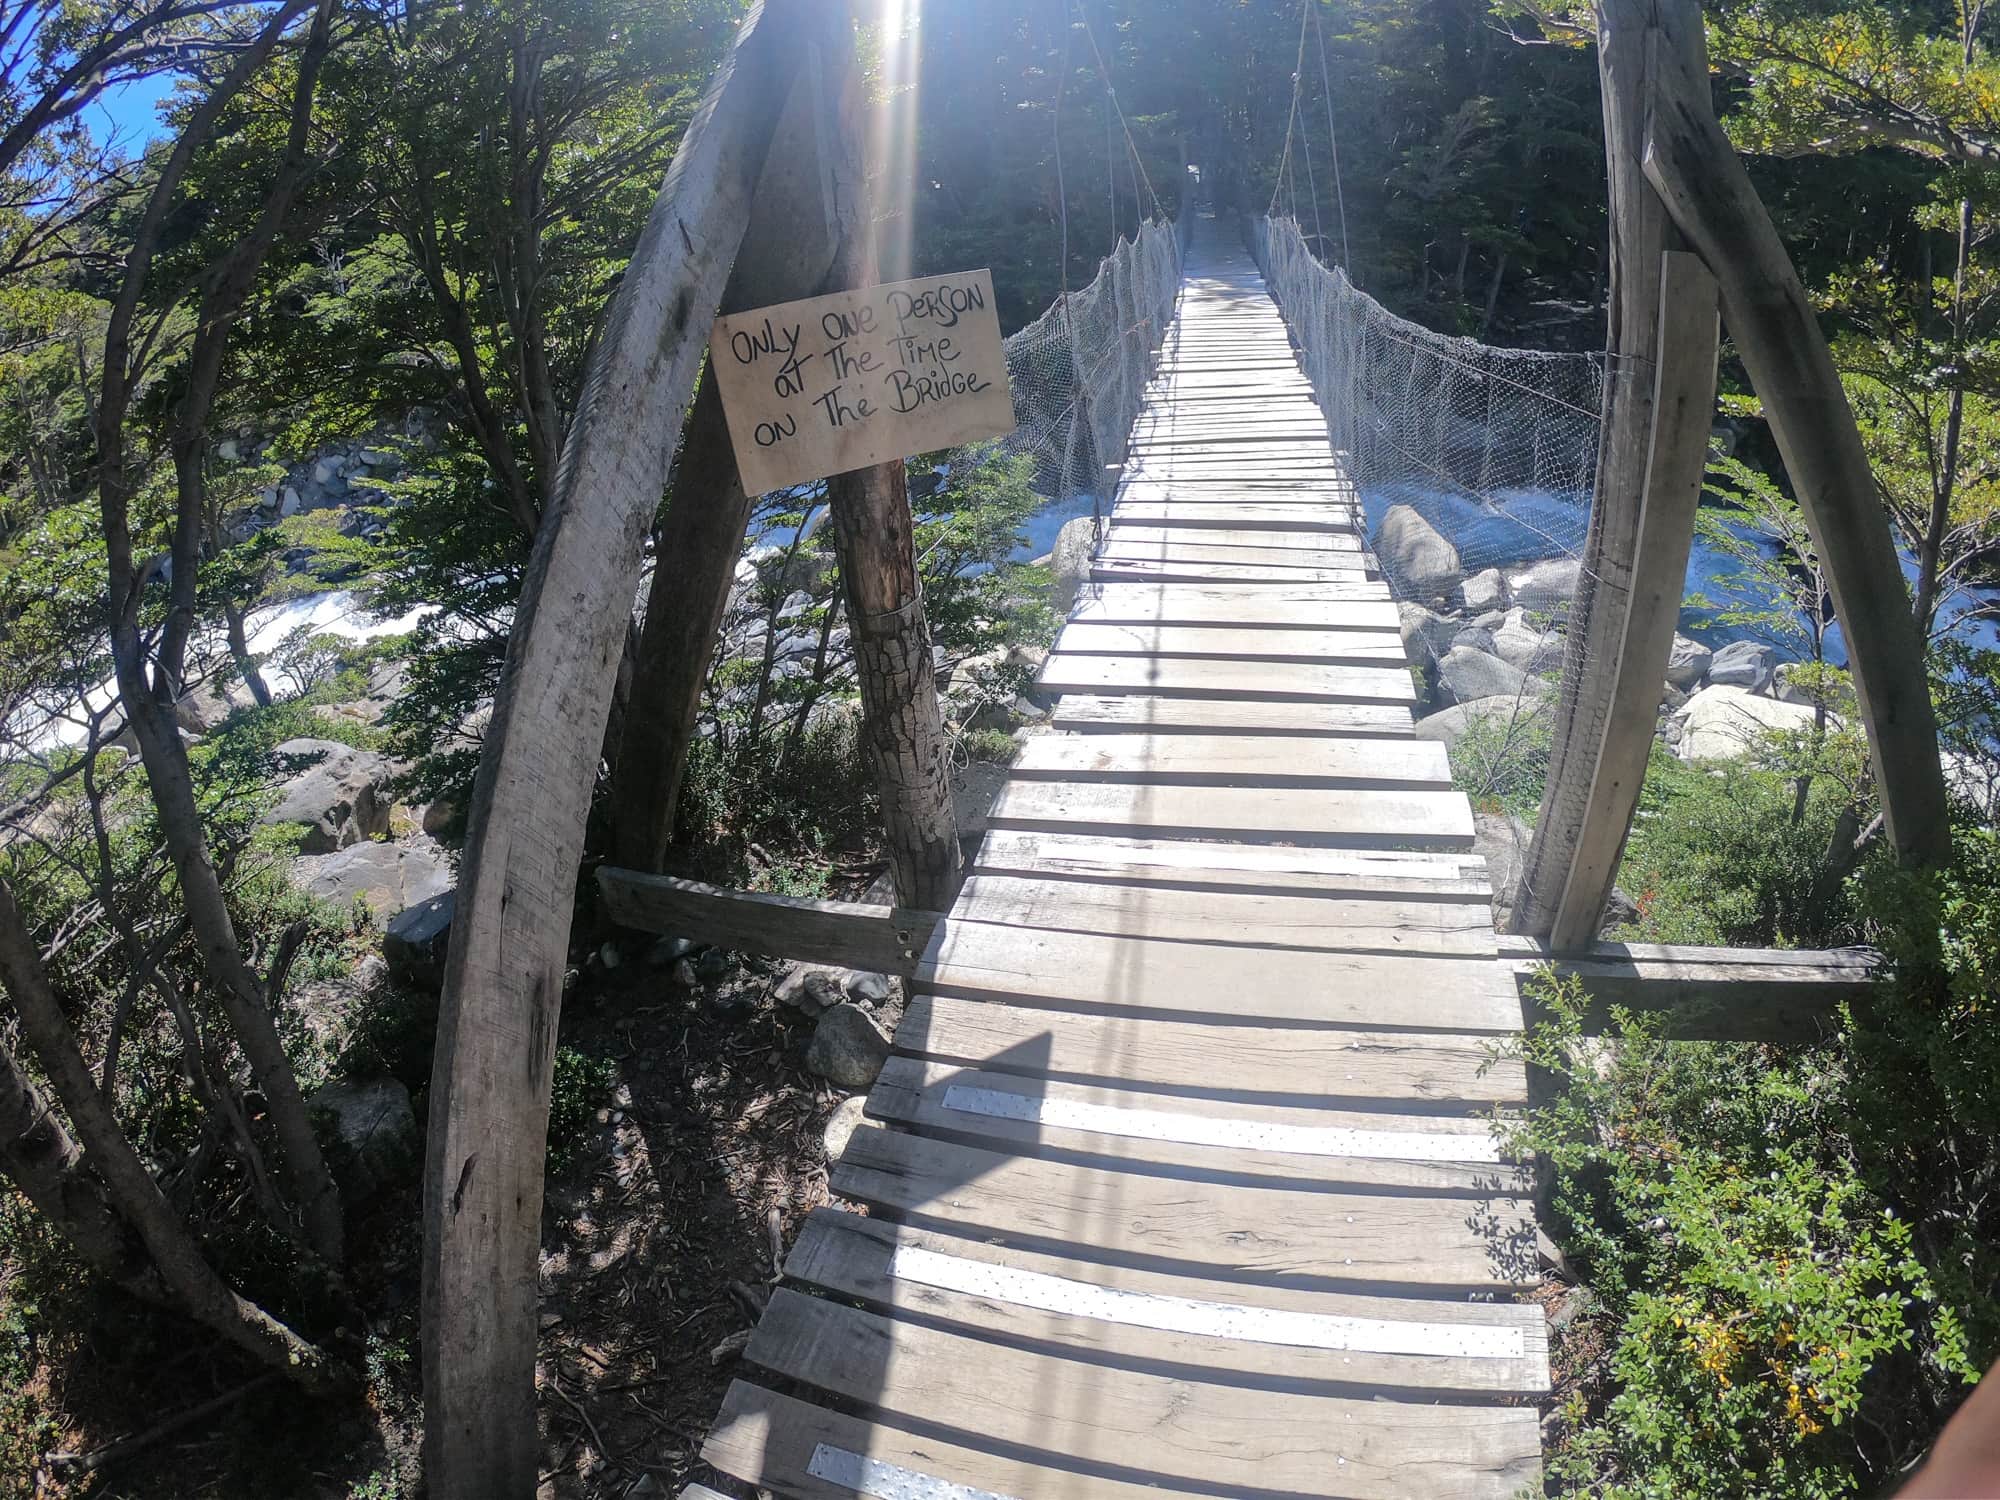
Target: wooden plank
(1349, 647)
(1259, 919)
(787, 1445)
(1147, 570)
(1192, 677)
(1272, 867)
(854, 934)
(1413, 1070)
(1124, 1316)
(1244, 515)
(1357, 818)
(1187, 540)
(1087, 713)
(1310, 1234)
(1131, 1423)
(1219, 759)
(1777, 995)
(1194, 1140)
(1340, 555)
(1078, 971)
(1352, 605)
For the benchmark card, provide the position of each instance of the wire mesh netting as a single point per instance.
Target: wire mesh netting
(1496, 449)
(1080, 370)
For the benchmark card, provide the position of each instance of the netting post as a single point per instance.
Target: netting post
(1602, 612)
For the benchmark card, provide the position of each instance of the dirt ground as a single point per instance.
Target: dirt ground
(657, 1250)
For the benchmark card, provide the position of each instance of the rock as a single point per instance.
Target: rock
(1027, 658)
(713, 965)
(1687, 662)
(209, 703)
(811, 988)
(1502, 840)
(1450, 725)
(1744, 664)
(326, 471)
(288, 505)
(847, 1048)
(684, 976)
(1069, 562)
(1726, 722)
(1464, 675)
(342, 800)
(1416, 555)
(847, 1117)
(1526, 647)
(866, 988)
(1493, 619)
(667, 949)
(387, 877)
(1546, 586)
(1619, 909)
(373, 1129)
(1427, 635)
(441, 818)
(1473, 638)
(1484, 592)
(416, 940)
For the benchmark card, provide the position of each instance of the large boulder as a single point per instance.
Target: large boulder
(417, 939)
(1726, 722)
(388, 878)
(1427, 635)
(1744, 664)
(1526, 647)
(1485, 592)
(1502, 840)
(373, 1133)
(1414, 553)
(847, 1047)
(1465, 674)
(1687, 662)
(207, 704)
(1546, 586)
(1069, 562)
(1450, 725)
(342, 799)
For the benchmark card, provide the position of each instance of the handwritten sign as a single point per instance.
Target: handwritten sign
(856, 378)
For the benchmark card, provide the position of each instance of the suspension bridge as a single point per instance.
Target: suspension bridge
(1182, 1175)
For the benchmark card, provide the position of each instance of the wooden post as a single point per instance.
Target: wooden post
(1599, 615)
(1683, 410)
(1696, 170)
(504, 979)
(789, 249)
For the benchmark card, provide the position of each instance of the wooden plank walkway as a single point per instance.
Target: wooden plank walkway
(1180, 1179)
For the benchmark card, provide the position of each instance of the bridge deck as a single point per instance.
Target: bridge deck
(1179, 1178)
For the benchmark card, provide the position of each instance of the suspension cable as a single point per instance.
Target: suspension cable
(1305, 132)
(1332, 140)
(1103, 72)
(1291, 123)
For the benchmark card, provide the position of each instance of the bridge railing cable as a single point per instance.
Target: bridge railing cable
(1475, 465)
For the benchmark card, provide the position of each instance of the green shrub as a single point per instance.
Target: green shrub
(581, 1083)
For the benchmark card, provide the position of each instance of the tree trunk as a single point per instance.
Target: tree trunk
(510, 945)
(187, 1275)
(239, 652)
(1697, 172)
(41, 1158)
(789, 250)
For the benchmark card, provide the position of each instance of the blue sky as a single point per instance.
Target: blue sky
(129, 112)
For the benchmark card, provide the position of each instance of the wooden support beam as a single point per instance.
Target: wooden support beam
(504, 979)
(1695, 169)
(1778, 995)
(805, 208)
(1640, 237)
(852, 934)
(1683, 409)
